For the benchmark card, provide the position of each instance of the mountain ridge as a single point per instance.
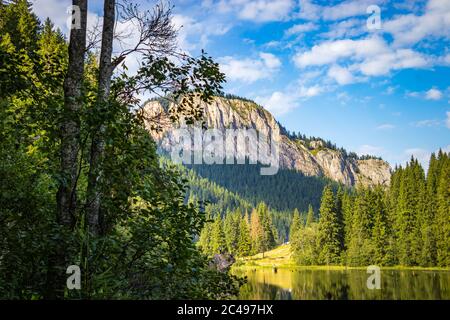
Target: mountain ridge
(312, 158)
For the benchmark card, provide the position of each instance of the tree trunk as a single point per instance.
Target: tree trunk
(70, 131)
(98, 144)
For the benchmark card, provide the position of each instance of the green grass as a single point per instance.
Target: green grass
(280, 257)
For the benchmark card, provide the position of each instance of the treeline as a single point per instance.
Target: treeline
(239, 234)
(407, 224)
(309, 140)
(285, 191)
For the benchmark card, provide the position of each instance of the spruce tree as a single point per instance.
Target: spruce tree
(310, 216)
(218, 244)
(244, 243)
(296, 224)
(443, 213)
(328, 233)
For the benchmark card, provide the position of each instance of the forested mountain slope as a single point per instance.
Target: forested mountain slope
(312, 157)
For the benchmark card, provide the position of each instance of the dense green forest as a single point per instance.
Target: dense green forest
(219, 201)
(239, 234)
(285, 191)
(81, 183)
(407, 224)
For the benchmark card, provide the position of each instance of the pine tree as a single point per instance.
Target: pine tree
(204, 241)
(231, 226)
(218, 244)
(310, 216)
(256, 232)
(380, 236)
(328, 233)
(443, 213)
(347, 213)
(359, 249)
(244, 243)
(296, 224)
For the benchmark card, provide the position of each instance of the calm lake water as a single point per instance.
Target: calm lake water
(285, 284)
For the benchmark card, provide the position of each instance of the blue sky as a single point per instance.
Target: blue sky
(322, 71)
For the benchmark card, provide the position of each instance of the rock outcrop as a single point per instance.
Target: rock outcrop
(312, 158)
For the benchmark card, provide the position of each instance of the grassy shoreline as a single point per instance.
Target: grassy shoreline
(280, 258)
(334, 267)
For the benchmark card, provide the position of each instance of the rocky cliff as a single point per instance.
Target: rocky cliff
(313, 158)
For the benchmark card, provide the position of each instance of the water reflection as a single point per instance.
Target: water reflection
(343, 284)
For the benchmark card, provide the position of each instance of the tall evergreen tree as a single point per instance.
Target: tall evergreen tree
(443, 213)
(328, 238)
(310, 219)
(244, 243)
(218, 244)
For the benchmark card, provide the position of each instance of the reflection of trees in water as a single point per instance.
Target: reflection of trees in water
(345, 284)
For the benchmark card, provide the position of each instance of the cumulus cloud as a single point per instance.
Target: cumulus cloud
(300, 28)
(194, 34)
(345, 9)
(254, 10)
(250, 70)
(345, 29)
(410, 29)
(349, 8)
(433, 94)
(270, 60)
(332, 51)
(370, 57)
(281, 102)
(278, 103)
(341, 75)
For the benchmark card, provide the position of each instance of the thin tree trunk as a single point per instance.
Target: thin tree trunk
(98, 143)
(70, 131)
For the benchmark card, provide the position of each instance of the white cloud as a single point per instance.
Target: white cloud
(433, 94)
(300, 28)
(254, 10)
(278, 103)
(56, 10)
(342, 10)
(194, 34)
(385, 127)
(250, 70)
(309, 10)
(370, 56)
(368, 149)
(265, 10)
(270, 60)
(341, 75)
(349, 8)
(410, 29)
(281, 102)
(382, 64)
(308, 92)
(390, 90)
(345, 29)
(331, 51)
(447, 121)
(426, 123)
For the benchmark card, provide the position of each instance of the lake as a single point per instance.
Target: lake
(304, 284)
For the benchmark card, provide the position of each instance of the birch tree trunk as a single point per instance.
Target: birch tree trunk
(98, 144)
(70, 131)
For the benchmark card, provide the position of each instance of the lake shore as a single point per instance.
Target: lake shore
(280, 258)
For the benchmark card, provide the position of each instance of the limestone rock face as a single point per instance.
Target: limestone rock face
(313, 159)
